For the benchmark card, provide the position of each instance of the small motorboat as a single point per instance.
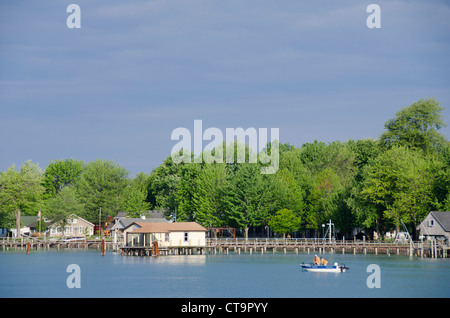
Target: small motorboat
(324, 268)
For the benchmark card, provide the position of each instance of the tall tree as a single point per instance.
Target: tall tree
(135, 195)
(163, 184)
(133, 201)
(248, 197)
(287, 192)
(208, 198)
(21, 191)
(416, 126)
(60, 207)
(61, 173)
(101, 186)
(400, 183)
(185, 192)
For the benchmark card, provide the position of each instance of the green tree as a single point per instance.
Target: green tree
(101, 186)
(65, 203)
(248, 197)
(134, 197)
(21, 191)
(416, 126)
(163, 184)
(61, 173)
(208, 198)
(284, 221)
(287, 192)
(186, 190)
(133, 201)
(323, 198)
(399, 184)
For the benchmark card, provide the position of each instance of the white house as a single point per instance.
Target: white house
(179, 234)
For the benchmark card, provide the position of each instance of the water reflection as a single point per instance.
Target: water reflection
(170, 260)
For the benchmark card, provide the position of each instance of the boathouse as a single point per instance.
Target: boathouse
(179, 234)
(435, 225)
(122, 222)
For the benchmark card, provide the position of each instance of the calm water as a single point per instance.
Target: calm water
(43, 274)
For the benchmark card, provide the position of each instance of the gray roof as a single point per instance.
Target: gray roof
(28, 220)
(125, 222)
(122, 221)
(443, 217)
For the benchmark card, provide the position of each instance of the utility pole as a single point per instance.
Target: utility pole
(329, 230)
(100, 223)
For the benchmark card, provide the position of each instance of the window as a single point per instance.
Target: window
(167, 237)
(186, 236)
(431, 222)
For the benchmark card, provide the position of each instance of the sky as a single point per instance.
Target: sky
(117, 87)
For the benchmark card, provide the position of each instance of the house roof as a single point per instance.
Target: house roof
(148, 214)
(123, 223)
(168, 227)
(28, 220)
(443, 219)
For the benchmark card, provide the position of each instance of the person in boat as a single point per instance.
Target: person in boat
(316, 260)
(323, 262)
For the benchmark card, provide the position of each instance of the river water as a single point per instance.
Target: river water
(44, 274)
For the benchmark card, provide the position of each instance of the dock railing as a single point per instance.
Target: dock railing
(298, 242)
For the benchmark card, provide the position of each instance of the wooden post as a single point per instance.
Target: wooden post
(28, 248)
(103, 247)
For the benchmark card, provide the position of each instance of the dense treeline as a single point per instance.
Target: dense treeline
(371, 184)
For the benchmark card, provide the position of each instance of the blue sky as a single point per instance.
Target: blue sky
(136, 70)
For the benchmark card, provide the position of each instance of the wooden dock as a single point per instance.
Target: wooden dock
(419, 248)
(433, 249)
(29, 244)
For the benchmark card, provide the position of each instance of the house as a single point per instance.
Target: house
(30, 224)
(120, 223)
(435, 225)
(75, 227)
(180, 234)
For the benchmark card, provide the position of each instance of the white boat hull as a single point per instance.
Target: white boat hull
(324, 269)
